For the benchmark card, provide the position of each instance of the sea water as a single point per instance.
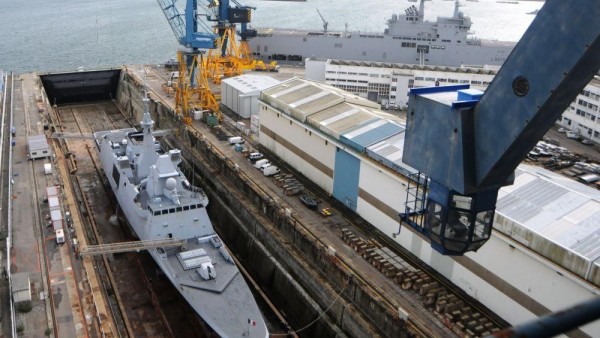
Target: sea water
(63, 35)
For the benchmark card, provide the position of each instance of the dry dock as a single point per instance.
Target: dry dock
(332, 276)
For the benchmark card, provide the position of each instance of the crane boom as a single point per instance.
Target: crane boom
(325, 23)
(469, 143)
(189, 30)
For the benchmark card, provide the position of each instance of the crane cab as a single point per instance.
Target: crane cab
(455, 223)
(458, 223)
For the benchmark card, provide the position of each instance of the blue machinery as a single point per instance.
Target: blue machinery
(193, 33)
(466, 145)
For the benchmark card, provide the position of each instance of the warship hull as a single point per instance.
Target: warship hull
(408, 39)
(160, 204)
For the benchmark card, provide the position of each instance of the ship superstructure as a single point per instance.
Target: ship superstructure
(160, 203)
(408, 39)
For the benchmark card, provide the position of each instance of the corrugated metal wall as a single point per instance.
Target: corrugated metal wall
(345, 178)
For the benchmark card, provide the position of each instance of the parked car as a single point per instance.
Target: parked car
(259, 163)
(573, 135)
(309, 201)
(562, 130)
(255, 156)
(586, 142)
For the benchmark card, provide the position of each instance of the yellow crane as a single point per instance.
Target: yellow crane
(192, 89)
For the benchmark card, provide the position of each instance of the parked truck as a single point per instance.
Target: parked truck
(235, 140)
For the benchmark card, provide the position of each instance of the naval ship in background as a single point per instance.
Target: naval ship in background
(160, 204)
(407, 39)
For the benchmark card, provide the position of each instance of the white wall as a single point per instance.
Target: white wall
(314, 70)
(387, 188)
(303, 137)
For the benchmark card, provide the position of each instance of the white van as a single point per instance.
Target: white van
(264, 166)
(572, 135)
(60, 236)
(271, 170)
(235, 140)
(259, 163)
(255, 156)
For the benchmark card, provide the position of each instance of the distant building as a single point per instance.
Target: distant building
(37, 147)
(582, 115)
(388, 83)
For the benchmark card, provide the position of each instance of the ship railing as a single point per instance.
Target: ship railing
(187, 186)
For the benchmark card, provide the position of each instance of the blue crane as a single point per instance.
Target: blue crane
(190, 31)
(194, 33)
(466, 145)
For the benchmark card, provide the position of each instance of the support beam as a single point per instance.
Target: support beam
(130, 246)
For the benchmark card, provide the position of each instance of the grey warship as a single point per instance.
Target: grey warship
(407, 39)
(160, 203)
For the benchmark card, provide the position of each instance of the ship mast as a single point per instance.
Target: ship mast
(456, 6)
(148, 154)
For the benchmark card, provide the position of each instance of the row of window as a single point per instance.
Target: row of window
(384, 76)
(409, 44)
(586, 104)
(437, 47)
(352, 89)
(413, 39)
(591, 95)
(173, 210)
(586, 115)
(431, 79)
(344, 80)
(371, 36)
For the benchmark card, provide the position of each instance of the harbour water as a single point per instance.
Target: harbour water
(62, 35)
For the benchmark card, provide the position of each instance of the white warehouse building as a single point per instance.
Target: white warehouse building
(543, 254)
(583, 116)
(388, 83)
(240, 93)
